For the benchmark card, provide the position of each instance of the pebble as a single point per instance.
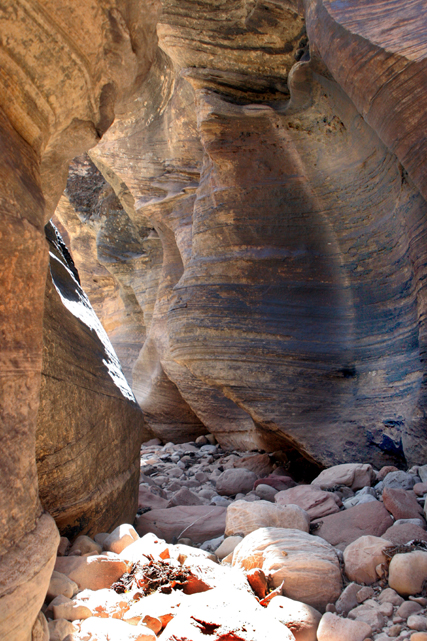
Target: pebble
(266, 492)
(417, 622)
(407, 608)
(334, 628)
(365, 593)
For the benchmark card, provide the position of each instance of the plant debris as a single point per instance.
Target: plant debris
(405, 548)
(153, 576)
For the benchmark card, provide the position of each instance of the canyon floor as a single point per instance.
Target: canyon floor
(227, 545)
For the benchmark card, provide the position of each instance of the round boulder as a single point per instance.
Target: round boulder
(408, 572)
(233, 481)
(243, 517)
(362, 557)
(301, 619)
(308, 564)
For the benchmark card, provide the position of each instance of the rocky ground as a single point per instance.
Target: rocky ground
(228, 545)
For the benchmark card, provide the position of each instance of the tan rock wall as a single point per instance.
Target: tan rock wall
(89, 426)
(294, 317)
(65, 69)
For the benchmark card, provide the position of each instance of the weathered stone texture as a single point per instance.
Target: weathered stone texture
(66, 69)
(261, 261)
(289, 308)
(89, 427)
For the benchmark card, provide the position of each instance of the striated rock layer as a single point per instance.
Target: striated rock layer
(66, 70)
(89, 426)
(288, 312)
(269, 161)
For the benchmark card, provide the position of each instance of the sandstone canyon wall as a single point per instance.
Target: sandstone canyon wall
(289, 310)
(251, 233)
(66, 70)
(89, 426)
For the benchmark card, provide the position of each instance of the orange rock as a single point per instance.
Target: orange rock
(258, 582)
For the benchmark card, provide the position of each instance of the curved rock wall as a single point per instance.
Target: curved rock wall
(290, 307)
(89, 426)
(275, 150)
(66, 70)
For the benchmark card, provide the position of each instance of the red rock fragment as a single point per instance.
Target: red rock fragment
(402, 504)
(258, 582)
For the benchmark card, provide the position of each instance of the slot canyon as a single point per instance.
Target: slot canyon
(213, 231)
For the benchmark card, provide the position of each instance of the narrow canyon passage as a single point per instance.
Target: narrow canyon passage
(213, 229)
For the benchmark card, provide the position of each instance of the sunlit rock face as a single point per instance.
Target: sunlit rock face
(67, 68)
(89, 425)
(120, 259)
(289, 307)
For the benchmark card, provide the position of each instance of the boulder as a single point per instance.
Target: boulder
(371, 613)
(390, 596)
(402, 504)
(92, 572)
(385, 470)
(278, 482)
(64, 546)
(96, 629)
(199, 522)
(359, 499)
(148, 545)
(71, 611)
(100, 537)
(228, 546)
(422, 473)
(407, 572)
(308, 564)
(266, 492)
(84, 545)
(401, 533)
(348, 598)
(362, 557)
(417, 622)
(61, 585)
(184, 496)
(59, 629)
(225, 614)
(212, 545)
(334, 628)
(259, 464)
(103, 603)
(40, 631)
(56, 601)
(233, 481)
(353, 475)
(316, 502)
(406, 608)
(366, 592)
(399, 480)
(243, 517)
(147, 498)
(344, 527)
(420, 489)
(301, 619)
(120, 538)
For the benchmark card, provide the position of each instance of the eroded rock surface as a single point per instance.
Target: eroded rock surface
(89, 427)
(276, 151)
(287, 311)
